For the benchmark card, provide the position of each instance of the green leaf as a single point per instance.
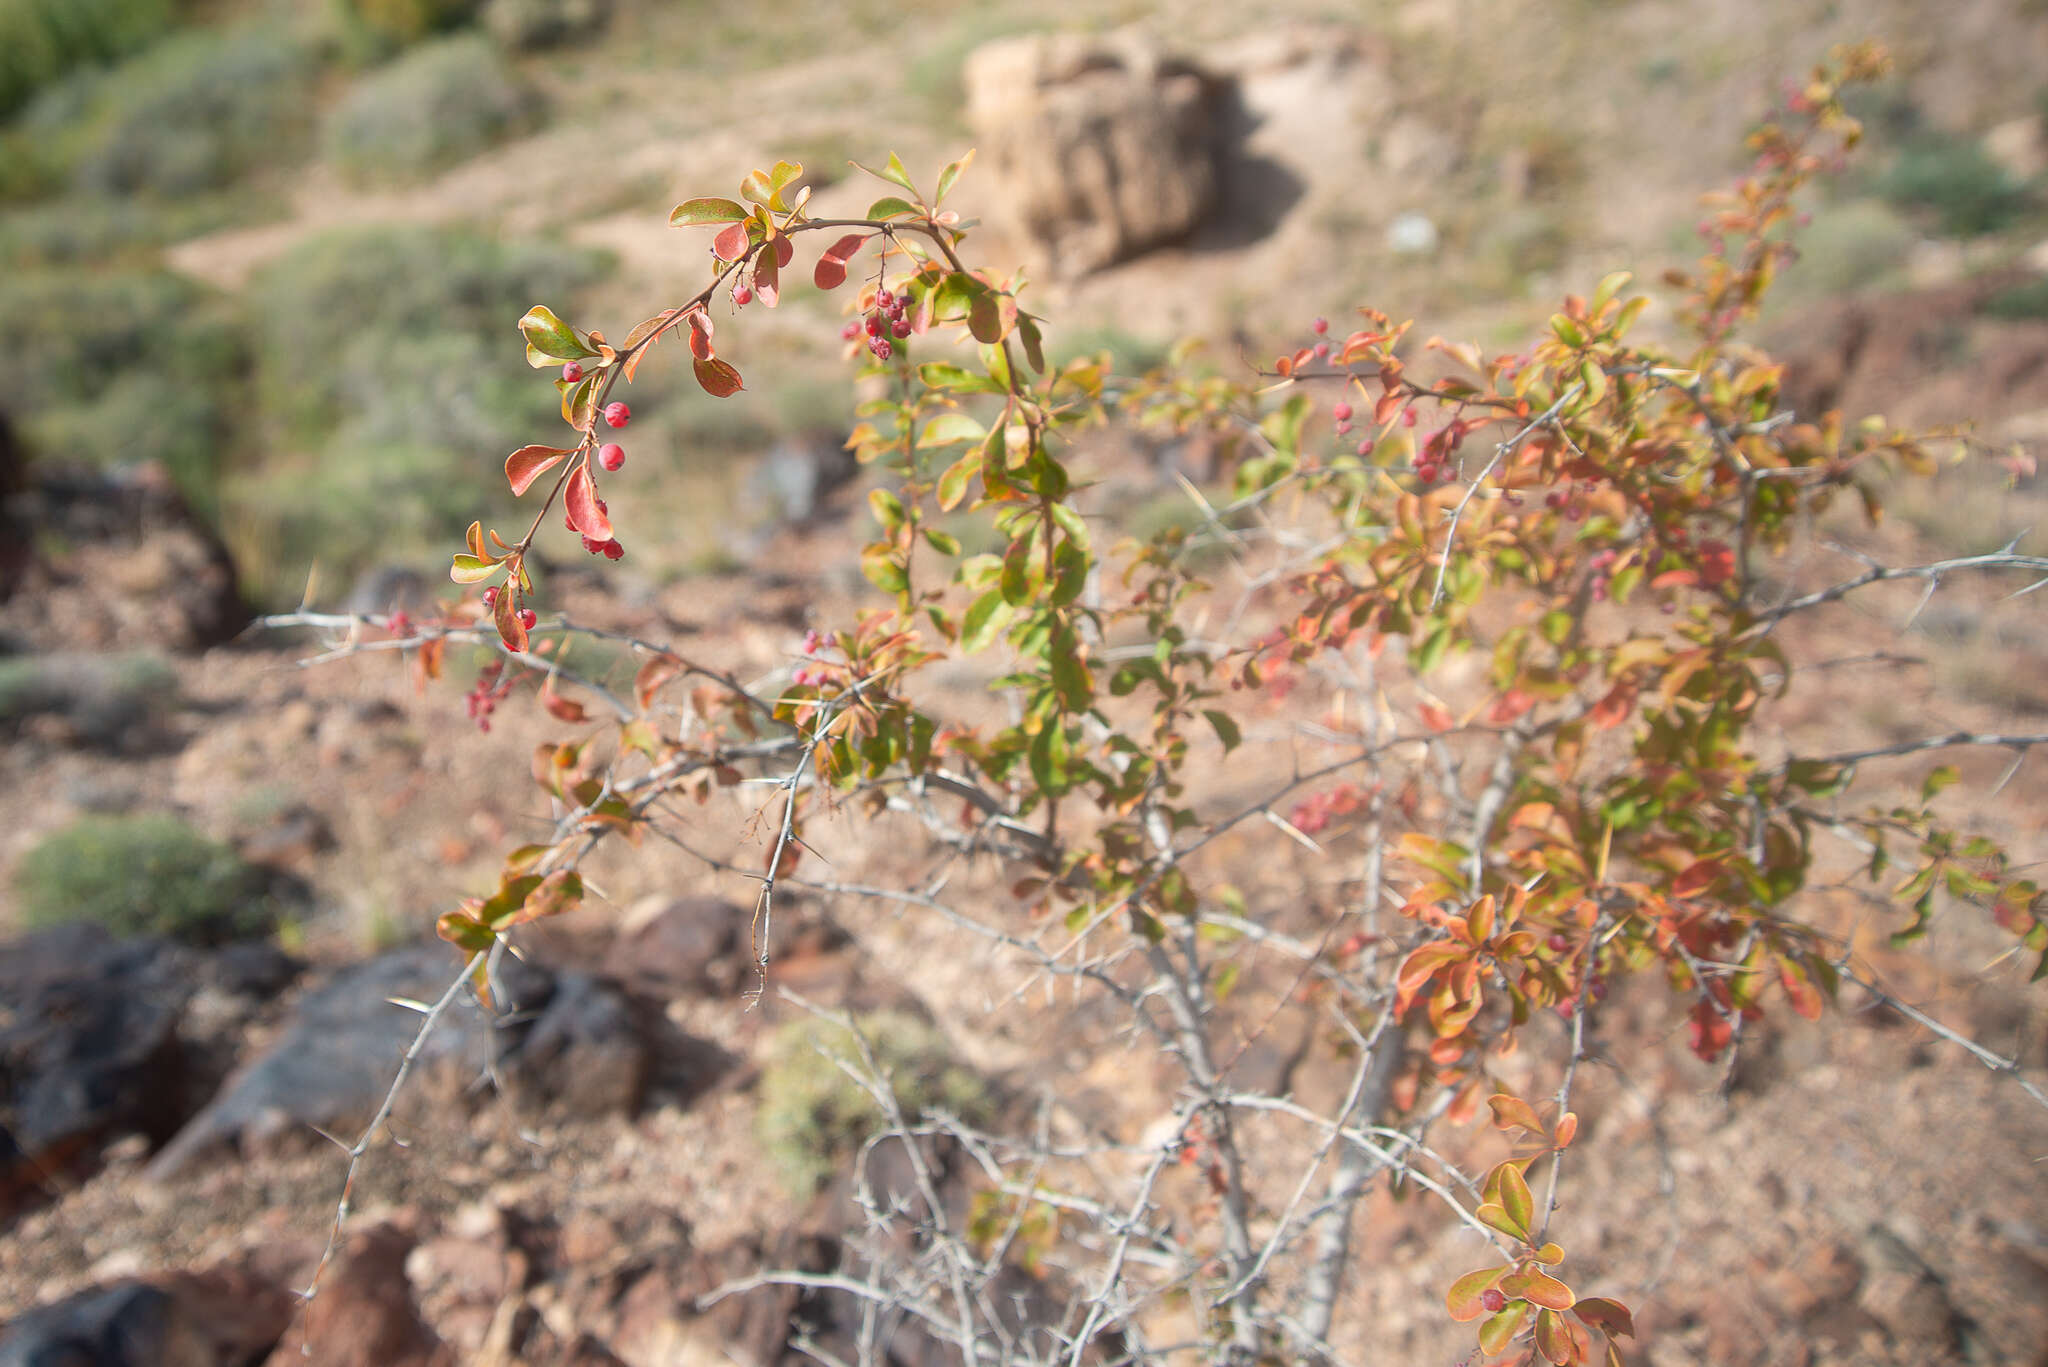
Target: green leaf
(1943, 777)
(986, 616)
(945, 543)
(889, 206)
(1034, 342)
(946, 375)
(472, 569)
(1049, 757)
(1515, 1198)
(1017, 566)
(887, 507)
(695, 211)
(1225, 727)
(1500, 1329)
(549, 340)
(951, 174)
(953, 483)
(883, 569)
(948, 428)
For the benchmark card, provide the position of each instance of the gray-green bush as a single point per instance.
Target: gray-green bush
(127, 366)
(41, 40)
(148, 874)
(196, 113)
(384, 365)
(439, 103)
(813, 1117)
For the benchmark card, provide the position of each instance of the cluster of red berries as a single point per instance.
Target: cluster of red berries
(1564, 501)
(804, 674)
(1430, 470)
(1603, 572)
(889, 318)
(528, 618)
(399, 623)
(488, 691)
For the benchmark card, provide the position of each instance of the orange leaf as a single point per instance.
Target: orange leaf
(1567, 1130)
(700, 336)
(718, 378)
(1436, 717)
(1511, 1112)
(559, 707)
(652, 676)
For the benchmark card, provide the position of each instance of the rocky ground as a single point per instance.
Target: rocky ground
(562, 1187)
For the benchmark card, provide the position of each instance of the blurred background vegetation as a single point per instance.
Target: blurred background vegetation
(277, 245)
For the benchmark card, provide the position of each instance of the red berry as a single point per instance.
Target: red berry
(1322, 351)
(572, 372)
(1321, 325)
(1553, 499)
(1341, 411)
(874, 325)
(491, 597)
(617, 414)
(612, 549)
(1494, 1300)
(851, 330)
(884, 299)
(742, 296)
(528, 618)
(1407, 417)
(901, 327)
(590, 544)
(611, 456)
(1558, 943)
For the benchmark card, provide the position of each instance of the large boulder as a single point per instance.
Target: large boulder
(1101, 147)
(216, 1319)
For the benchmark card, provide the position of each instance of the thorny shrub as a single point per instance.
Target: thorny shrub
(1591, 516)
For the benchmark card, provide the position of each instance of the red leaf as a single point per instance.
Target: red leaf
(719, 379)
(1510, 1112)
(768, 274)
(1610, 1317)
(559, 707)
(785, 250)
(528, 464)
(1697, 878)
(831, 272)
(1436, 717)
(580, 499)
(1510, 705)
(731, 244)
(700, 337)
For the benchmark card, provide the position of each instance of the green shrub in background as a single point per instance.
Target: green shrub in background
(141, 875)
(196, 113)
(129, 366)
(813, 1117)
(42, 40)
(1957, 179)
(384, 367)
(95, 230)
(544, 23)
(434, 106)
(372, 30)
(2026, 300)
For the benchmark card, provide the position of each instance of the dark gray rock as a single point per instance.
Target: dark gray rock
(224, 1318)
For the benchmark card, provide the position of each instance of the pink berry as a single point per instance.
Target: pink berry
(617, 414)
(611, 456)
(1558, 943)
(1407, 417)
(1322, 351)
(880, 346)
(1321, 325)
(1494, 1299)
(851, 330)
(572, 372)
(528, 618)
(1341, 411)
(884, 299)
(742, 296)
